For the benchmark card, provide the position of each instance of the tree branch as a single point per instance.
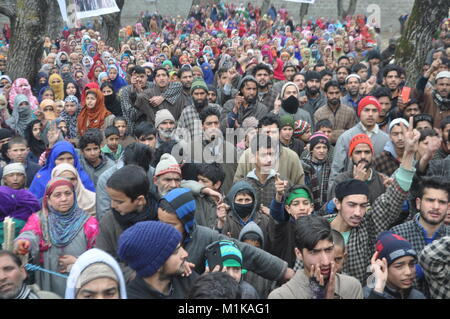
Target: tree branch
(8, 9)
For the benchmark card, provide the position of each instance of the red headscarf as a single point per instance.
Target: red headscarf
(92, 85)
(95, 117)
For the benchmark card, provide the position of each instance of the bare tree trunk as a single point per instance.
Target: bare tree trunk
(55, 22)
(416, 40)
(351, 9)
(304, 8)
(111, 26)
(265, 7)
(28, 20)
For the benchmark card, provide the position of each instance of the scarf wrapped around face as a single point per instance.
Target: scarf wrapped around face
(57, 88)
(58, 228)
(21, 86)
(71, 120)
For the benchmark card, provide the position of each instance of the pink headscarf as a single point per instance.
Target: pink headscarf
(25, 90)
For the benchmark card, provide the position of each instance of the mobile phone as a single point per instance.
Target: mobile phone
(213, 256)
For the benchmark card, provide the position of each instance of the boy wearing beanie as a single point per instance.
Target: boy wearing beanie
(153, 249)
(178, 207)
(14, 176)
(357, 224)
(232, 262)
(394, 269)
(368, 111)
(389, 160)
(287, 125)
(361, 155)
(317, 167)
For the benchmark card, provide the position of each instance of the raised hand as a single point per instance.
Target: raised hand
(379, 269)
(360, 172)
(22, 247)
(280, 187)
(411, 137)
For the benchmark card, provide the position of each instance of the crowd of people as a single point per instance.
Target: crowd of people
(234, 154)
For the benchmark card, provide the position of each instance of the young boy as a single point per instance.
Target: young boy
(211, 176)
(232, 262)
(121, 123)
(340, 250)
(394, 269)
(92, 160)
(252, 235)
(284, 211)
(112, 149)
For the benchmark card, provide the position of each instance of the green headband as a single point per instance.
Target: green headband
(298, 193)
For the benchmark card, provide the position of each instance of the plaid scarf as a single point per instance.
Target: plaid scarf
(318, 187)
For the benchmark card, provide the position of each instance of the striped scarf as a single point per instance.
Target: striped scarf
(318, 187)
(61, 229)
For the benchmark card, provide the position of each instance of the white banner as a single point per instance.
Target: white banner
(94, 8)
(302, 1)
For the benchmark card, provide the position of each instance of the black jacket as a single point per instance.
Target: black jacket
(179, 288)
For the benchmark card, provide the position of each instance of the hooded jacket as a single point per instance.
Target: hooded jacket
(86, 259)
(262, 286)
(234, 223)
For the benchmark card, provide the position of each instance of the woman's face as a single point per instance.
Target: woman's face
(79, 76)
(112, 74)
(107, 91)
(91, 99)
(65, 158)
(42, 81)
(97, 71)
(65, 69)
(37, 131)
(48, 95)
(62, 126)
(62, 199)
(70, 108)
(71, 89)
(59, 107)
(56, 81)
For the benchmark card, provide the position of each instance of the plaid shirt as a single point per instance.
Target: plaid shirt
(415, 234)
(361, 243)
(435, 261)
(128, 100)
(386, 164)
(343, 119)
(265, 192)
(188, 118)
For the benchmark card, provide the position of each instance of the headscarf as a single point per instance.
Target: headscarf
(49, 115)
(95, 117)
(16, 90)
(41, 93)
(21, 116)
(59, 63)
(37, 147)
(61, 228)
(101, 76)
(91, 85)
(44, 175)
(87, 62)
(4, 115)
(85, 198)
(58, 89)
(38, 86)
(78, 93)
(208, 74)
(91, 74)
(18, 204)
(118, 82)
(71, 120)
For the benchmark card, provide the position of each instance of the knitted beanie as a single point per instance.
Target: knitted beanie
(301, 127)
(392, 246)
(199, 83)
(182, 203)
(163, 115)
(14, 168)
(312, 75)
(318, 138)
(351, 187)
(368, 100)
(167, 164)
(146, 246)
(359, 139)
(287, 120)
(285, 86)
(95, 271)
(397, 121)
